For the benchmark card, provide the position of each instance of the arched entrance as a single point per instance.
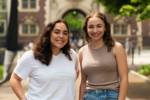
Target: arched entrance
(75, 19)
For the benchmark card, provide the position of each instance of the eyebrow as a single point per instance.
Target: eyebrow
(92, 25)
(59, 30)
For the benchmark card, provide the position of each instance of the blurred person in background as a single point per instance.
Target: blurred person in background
(52, 67)
(80, 43)
(31, 45)
(75, 44)
(128, 46)
(103, 62)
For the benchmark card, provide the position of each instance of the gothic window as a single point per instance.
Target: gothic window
(120, 29)
(28, 29)
(29, 4)
(116, 29)
(33, 3)
(124, 29)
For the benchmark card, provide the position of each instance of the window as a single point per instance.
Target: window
(124, 29)
(116, 29)
(120, 29)
(3, 4)
(28, 29)
(25, 4)
(25, 29)
(33, 4)
(28, 26)
(29, 4)
(32, 29)
(2, 27)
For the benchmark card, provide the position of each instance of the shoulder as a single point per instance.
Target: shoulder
(118, 48)
(81, 52)
(118, 45)
(73, 53)
(28, 55)
(82, 48)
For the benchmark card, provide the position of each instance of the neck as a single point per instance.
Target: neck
(55, 51)
(97, 44)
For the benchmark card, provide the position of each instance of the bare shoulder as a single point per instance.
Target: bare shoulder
(118, 46)
(81, 51)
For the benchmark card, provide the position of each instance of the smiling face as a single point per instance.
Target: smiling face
(59, 36)
(95, 28)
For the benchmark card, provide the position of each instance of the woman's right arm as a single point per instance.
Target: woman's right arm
(83, 76)
(15, 82)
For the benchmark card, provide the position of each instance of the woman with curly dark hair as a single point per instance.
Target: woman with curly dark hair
(103, 62)
(51, 66)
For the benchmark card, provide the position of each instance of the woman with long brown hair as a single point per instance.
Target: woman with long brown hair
(51, 66)
(103, 62)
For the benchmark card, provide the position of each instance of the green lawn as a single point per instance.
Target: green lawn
(1, 72)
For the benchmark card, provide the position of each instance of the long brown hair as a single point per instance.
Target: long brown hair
(107, 38)
(42, 49)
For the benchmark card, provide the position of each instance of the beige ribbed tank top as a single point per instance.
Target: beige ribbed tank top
(101, 69)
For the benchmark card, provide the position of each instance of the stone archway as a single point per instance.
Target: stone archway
(55, 9)
(61, 12)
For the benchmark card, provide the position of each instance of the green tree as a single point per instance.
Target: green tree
(1, 13)
(138, 7)
(113, 6)
(74, 20)
(127, 7)
(1, 17)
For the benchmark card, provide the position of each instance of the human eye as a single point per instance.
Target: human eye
(65, 33)
(90, 26)
(56, 32)
(99, 26)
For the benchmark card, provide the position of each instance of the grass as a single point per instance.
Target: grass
(1, 72)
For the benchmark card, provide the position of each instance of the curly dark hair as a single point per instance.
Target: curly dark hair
(42, 50)
(107, 38)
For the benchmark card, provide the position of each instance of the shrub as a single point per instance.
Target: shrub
(145, 70)
(1, 72)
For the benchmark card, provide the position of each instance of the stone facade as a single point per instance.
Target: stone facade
(48, 10)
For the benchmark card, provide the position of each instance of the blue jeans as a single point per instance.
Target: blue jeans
(101, 95)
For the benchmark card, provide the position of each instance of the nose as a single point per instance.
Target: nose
(95, 29)
(61, 35)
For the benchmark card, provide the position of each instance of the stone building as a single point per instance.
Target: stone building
(34, 15)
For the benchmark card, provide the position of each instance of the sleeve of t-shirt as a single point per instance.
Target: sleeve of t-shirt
(76, 60)
(23, 68)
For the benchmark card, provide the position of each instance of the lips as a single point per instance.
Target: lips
(95, 35)
(59, 41)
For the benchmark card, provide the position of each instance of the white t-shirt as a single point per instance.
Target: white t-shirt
(53, 82)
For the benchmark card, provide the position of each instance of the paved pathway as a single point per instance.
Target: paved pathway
(138, 88)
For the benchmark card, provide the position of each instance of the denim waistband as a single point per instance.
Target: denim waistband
(102, 91)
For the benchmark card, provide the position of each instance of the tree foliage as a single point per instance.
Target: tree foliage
(74, 20)
(113, 6)
(128, 7)
(1, 17)
(138, 7)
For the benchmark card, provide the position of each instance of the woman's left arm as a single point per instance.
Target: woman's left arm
(121, 58)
